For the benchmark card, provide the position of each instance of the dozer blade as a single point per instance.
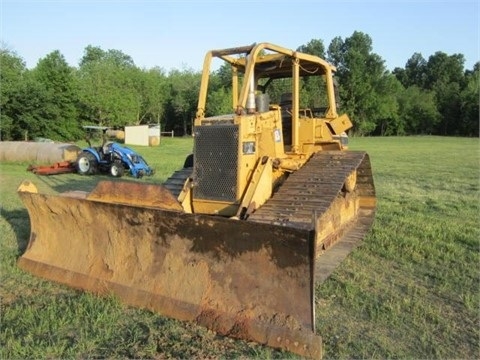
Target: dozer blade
(131, 193)
(241, 279)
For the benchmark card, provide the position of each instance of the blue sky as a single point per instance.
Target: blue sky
(176, 34)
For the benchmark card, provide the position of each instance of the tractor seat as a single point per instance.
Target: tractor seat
(107, 148)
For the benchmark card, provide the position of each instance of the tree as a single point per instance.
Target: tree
(219, 102)
(469, 103)
(219, 95)
(443, 69)
(92, 54)
(418, 111)
(414, 72)
(32, 110)
(313, 89)
(109, 84)
(224, 75)
(153, 91)
(363, 82)
(389, 120)
(313, 47)
(57, 89)
(184, 88)
(426, 97)
(445, 76)
(12, 70)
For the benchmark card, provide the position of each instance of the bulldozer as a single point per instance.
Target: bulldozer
(268, 204)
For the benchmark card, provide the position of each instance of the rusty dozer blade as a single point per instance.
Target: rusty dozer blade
(242, 279)
(131, 193)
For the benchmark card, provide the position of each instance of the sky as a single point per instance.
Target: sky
(176, 34)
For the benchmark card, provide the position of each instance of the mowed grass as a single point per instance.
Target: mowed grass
(412, 290)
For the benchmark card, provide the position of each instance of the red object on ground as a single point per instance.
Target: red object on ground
(63, 167)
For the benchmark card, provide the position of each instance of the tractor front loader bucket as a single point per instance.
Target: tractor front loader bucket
(245, 280)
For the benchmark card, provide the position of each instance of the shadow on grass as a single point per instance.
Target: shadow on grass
(20, 224)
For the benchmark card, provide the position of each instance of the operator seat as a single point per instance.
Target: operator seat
(107, 150)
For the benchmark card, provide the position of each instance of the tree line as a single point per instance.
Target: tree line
(53, 100)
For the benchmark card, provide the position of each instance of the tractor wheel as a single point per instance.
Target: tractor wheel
(86, 164)
(116, 169)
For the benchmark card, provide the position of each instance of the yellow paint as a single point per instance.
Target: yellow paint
(27, 186)
(309, 134)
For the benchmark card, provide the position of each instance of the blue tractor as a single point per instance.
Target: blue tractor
(110, 158)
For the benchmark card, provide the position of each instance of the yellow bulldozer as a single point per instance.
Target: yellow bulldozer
(263, 210)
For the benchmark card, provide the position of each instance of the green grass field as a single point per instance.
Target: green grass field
(412, 290)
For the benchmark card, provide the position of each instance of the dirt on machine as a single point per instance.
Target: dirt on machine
(265, 208)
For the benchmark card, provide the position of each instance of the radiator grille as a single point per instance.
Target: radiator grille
(216, 158)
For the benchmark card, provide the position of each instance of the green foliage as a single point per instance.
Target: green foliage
(312, 90)
(451, 95)
(363, 81)
(414, 72)
(12, 68)
(94, 54)
(183, 99)
(30, 107)
(224, 76)
(40, 102)
(58, 94)
(53, 100)
(114, 92)
(107, 93)
(153, 90)
(469, 107)
(418, 110)
(220, 102)
(313, 47)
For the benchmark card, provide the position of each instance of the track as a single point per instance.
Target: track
(175, 182)
(309, 194)
(313, 188)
